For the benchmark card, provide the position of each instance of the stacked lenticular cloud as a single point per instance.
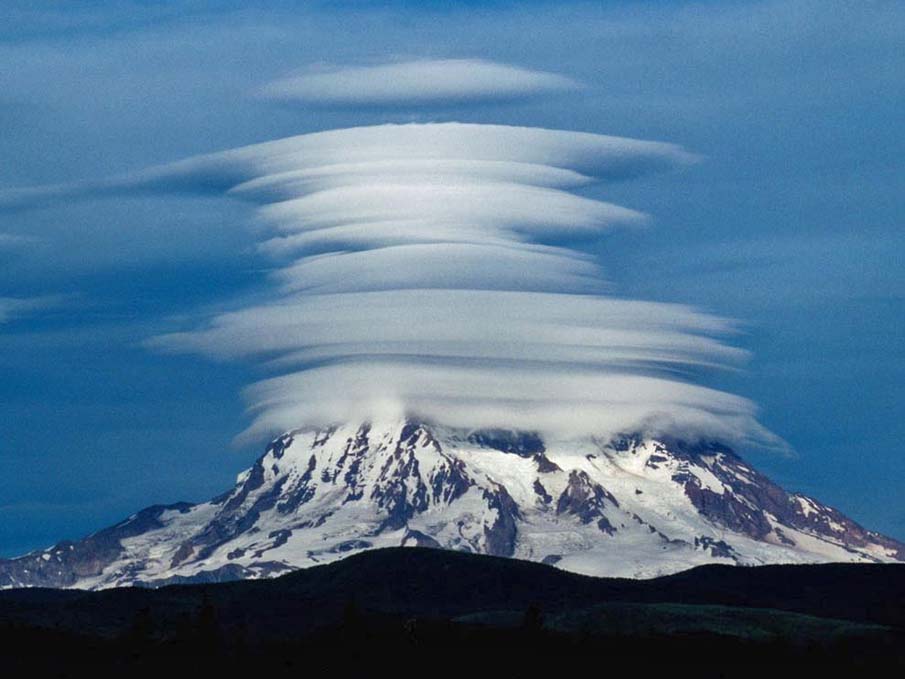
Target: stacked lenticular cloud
(420, 275)
(421, 272)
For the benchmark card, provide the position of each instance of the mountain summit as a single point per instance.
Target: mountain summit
(632, 506)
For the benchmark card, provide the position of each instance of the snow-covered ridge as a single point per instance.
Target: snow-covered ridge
(627, 507)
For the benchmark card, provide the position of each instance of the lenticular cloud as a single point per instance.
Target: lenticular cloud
(420, 83)
(420, 274)
(420, 271)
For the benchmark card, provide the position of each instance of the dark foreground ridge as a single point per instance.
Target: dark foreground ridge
(416, 607)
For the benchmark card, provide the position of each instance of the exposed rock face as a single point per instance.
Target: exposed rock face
(627, 507)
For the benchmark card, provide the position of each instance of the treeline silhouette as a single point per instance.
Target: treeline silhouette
(429, 613)
(363, 643)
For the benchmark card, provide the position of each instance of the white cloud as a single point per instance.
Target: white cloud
(443, 265)
(569, 402)
(419, 273)
(467, 323)
(417, 84)
(285, 168)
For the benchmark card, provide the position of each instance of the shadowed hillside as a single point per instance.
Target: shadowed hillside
(364, 611)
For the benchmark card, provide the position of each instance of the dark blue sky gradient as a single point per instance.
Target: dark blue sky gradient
(793, 224)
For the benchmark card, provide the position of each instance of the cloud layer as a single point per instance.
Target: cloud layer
(420, 271)
(416, 84)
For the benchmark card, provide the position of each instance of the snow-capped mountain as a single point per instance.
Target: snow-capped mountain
(634, 506)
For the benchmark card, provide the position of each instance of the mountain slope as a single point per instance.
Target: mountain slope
(629, 507)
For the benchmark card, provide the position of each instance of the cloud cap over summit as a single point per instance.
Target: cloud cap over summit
(415, 274)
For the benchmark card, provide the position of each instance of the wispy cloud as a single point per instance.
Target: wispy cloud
(15, 307)
(11, 241)
(416, 84)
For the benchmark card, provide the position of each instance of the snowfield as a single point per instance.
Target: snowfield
(630, 507)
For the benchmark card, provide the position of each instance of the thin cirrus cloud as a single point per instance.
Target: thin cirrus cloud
(13, 241)
(420, 271)
(12, 308)
(416, 84)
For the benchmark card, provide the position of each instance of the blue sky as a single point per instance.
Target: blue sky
(792, 224)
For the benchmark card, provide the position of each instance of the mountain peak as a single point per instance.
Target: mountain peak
(630, 506)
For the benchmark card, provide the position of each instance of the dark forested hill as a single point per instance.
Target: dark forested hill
(367, 609)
